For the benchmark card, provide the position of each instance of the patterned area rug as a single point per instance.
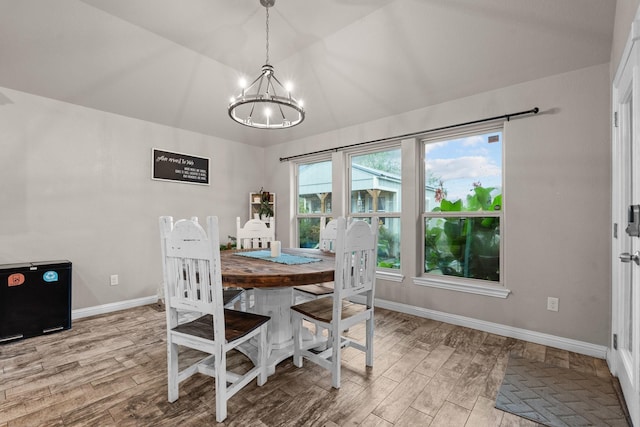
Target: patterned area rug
(558, 397)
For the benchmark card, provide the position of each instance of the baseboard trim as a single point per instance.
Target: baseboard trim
(580, 347)
(111, 307)
(575, 346)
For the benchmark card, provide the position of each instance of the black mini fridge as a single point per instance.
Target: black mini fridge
(35, 299)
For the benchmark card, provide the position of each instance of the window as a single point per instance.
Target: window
(463, 207)
(376, 190)
(314, 201)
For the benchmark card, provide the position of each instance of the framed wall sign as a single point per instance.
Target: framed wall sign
(180, 167)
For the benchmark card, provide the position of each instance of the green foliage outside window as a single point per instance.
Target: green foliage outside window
(465, 246)
(309, 232)
(388, 253)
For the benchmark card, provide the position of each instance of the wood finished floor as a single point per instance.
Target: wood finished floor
(110, 370)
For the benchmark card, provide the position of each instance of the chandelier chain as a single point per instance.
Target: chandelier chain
(267, 35)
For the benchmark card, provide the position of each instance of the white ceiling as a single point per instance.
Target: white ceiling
(176, 62)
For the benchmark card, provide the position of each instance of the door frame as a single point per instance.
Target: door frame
(627, 369)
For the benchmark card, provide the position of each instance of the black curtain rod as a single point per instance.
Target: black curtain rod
(535, 110)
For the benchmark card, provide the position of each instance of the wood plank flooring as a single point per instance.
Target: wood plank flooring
(110, 370)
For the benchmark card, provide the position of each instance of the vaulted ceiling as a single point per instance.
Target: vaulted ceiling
(177, 62)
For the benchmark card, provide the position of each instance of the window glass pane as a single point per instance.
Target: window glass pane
(464, 173)
(376, 184)
(463, 246)
(389, 243)
(376, 188)
(314, 201)
(314, 188)
(308, 232)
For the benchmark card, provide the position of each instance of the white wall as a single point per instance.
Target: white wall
(626, 11)
(76, 184)
(557, 223)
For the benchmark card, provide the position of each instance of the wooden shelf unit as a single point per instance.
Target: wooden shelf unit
(255, 200)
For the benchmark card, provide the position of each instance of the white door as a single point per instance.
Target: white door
(625, 349)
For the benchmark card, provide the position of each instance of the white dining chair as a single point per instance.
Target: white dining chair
(328, 235)
(326, 242)
(193, 284)
(356, 253)
(255, 234)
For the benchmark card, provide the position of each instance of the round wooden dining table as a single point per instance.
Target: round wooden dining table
(272, 285)
(246, 272)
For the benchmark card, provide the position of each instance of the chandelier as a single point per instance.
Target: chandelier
(266, 103)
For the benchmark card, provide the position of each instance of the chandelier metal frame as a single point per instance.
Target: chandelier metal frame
(277, 108)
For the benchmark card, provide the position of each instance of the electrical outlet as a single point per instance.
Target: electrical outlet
(114, 279)
(552, 304)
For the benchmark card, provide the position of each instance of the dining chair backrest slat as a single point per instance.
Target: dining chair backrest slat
(328, 234)
(255, 234)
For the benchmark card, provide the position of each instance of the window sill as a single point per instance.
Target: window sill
(389, 276)
(458, 286)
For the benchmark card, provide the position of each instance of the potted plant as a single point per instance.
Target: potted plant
(265, 210)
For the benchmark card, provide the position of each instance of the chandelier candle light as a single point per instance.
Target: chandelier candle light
(266, 103)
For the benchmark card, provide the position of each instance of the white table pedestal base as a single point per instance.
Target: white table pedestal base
(275, 303)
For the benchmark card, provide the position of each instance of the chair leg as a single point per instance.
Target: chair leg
(297, 341)
(336, 358)
(246, 301)
(220, 363)
(242, 304)
(172, 371)
(262, 356)
(369, 343)
(318, 332)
